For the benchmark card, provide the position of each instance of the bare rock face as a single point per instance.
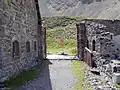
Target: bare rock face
(88, 8)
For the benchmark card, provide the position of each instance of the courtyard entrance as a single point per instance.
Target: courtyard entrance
(61, 44)
(62, 38)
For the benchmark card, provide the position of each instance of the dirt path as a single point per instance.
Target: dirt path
(57, 75)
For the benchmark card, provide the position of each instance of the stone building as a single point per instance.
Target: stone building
(21, 33)
(98, 41)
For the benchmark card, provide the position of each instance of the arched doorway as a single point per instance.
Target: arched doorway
(27, 46)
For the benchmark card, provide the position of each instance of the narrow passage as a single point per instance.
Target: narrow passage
(57, 75)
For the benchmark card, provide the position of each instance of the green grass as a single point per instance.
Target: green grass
(70, 51)
(79, 68)
(61, 27)
(60, 21)
(118, 85)
(24, 77)
(68, 34)
(53, 46)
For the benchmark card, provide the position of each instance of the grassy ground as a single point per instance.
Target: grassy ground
(15, 82)
(24, 77)
(118, 86)
(70, 51)
(68, 34)
(79, 69)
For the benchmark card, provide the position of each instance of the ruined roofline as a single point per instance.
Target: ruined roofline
(112, 20)
(89, 19)
(38, 12)
(97, 20)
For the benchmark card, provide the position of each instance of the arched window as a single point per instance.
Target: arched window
(28, 46)
(87, 44)
(16, 51)
(93, 45)
(111, 36)
(35, 46)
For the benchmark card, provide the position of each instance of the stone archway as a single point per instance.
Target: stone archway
(81, 32)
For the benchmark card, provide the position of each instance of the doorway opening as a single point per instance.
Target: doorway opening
(61, 36)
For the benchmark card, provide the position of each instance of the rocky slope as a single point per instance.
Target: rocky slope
(87, 8)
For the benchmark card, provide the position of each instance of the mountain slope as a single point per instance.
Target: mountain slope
(88, 8)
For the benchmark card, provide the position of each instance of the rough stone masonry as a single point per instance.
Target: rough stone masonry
(21, 33)
(101, 38)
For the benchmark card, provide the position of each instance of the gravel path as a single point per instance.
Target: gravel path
(57, 75)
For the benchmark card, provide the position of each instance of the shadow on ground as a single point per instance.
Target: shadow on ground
(43, 81)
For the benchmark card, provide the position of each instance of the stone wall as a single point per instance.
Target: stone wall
(18, 22)
(44, 54)
(99, 38)
(103, 32)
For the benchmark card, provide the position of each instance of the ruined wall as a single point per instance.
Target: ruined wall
(110, 25)
(100, 38)
(103, 32)
(18, 21)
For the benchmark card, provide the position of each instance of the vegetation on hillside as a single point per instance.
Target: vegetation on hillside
(64, 28)
(68, 34)
(60, 21)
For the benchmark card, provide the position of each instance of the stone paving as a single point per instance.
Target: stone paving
(57, 75)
